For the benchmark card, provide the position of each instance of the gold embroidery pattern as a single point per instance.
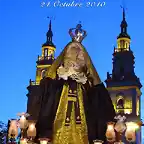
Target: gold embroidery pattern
(72, 99)
(74, 133)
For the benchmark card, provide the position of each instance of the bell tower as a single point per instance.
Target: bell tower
(47, 57)
(43, 63)
(123, 84)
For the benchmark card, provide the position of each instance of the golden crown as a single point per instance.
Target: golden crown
(77, 34)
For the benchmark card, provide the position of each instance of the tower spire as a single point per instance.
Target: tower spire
(50, 25)
(49, 36)
(124, 23)
(123, 58)
(123, 13)
(123, 26)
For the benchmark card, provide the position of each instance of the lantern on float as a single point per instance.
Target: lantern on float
(31, 132)
(110, 133)
(23, 122)
(13, 129)
(130, 133)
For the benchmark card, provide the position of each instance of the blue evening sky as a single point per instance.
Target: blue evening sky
(23, 27)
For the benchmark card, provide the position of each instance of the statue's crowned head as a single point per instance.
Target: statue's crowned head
(77, 34)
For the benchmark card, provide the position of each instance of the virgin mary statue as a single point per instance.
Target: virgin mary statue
(76, 106)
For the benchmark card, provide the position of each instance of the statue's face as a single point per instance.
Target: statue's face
(74, 57)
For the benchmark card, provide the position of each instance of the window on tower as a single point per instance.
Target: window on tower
(126, 45)
(123, 29)
(138, 108)
(43, 73)
(120, 103)
(118, 45)
(122, 44)
(50, 54)
(45, 52)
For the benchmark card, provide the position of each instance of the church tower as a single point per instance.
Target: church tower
(47, 57)
(43, 63)
(123, 84)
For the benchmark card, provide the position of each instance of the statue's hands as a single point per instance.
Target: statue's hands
(71, 71)
(62, 73)
(61, 70)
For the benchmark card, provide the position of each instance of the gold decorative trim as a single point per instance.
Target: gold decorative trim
(49, 47)
(125, 88)
(74, 99)
(70, 131)
(72, 94)
(126, 39)
(42, 66)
